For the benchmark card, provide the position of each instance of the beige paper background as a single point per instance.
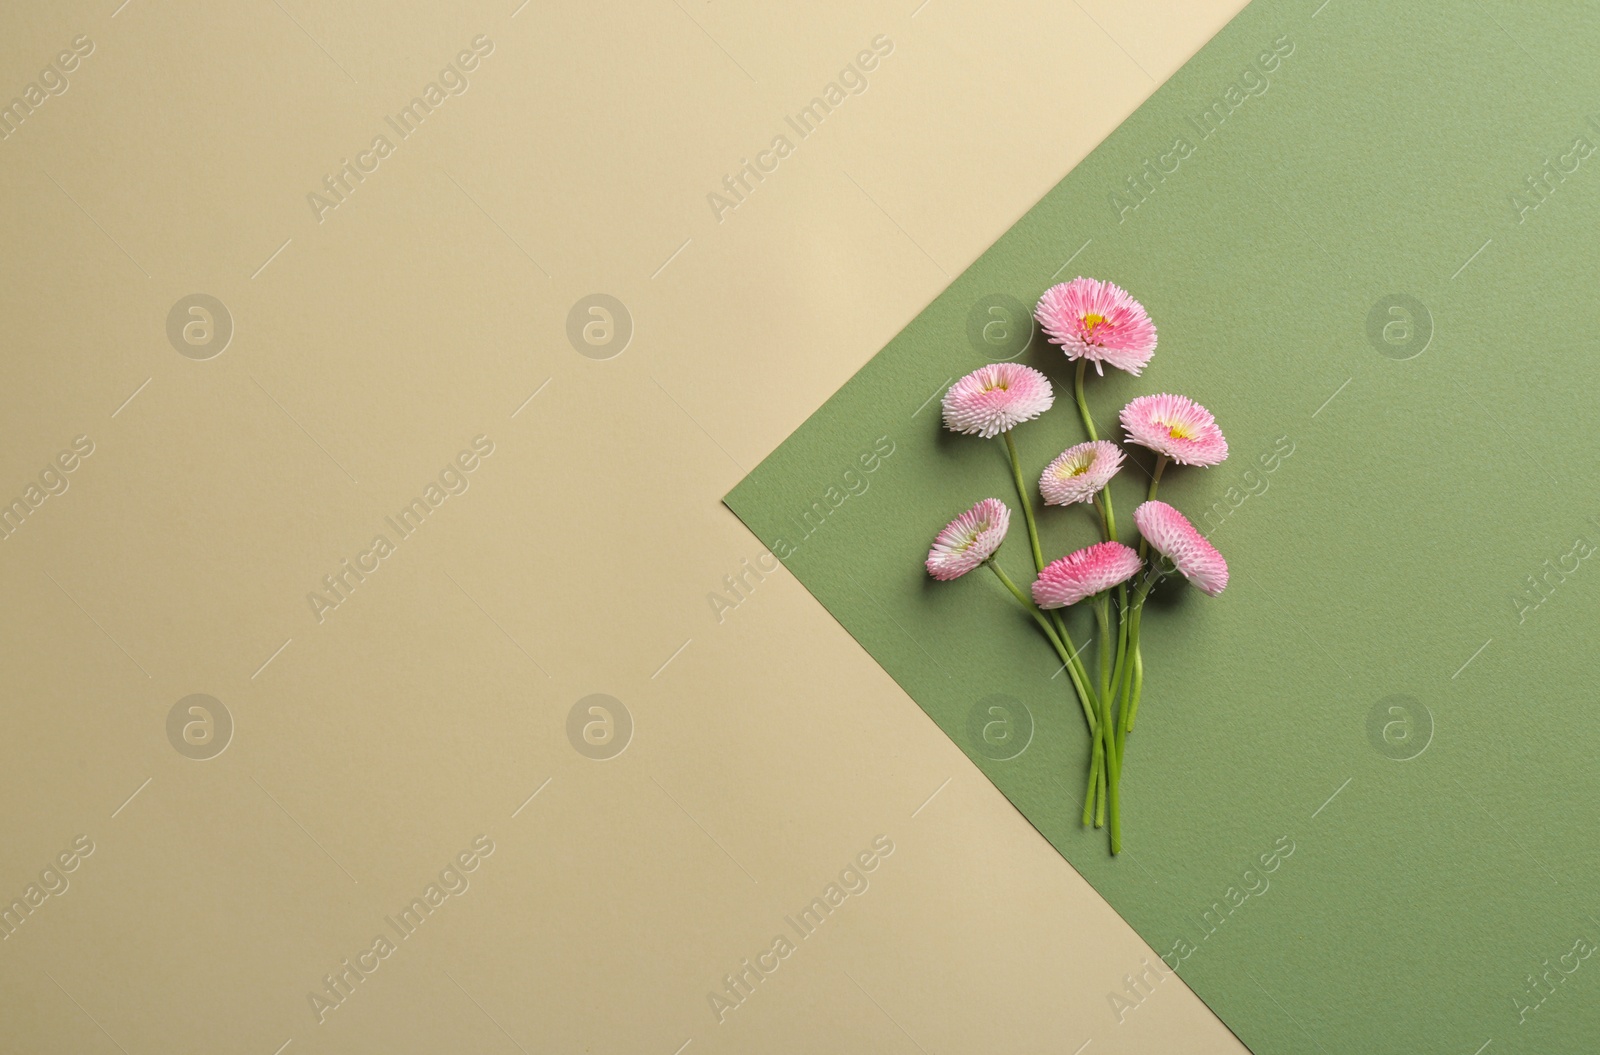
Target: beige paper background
(368, 349)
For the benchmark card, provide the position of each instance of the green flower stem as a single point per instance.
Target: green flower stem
(1026, 500)
(1130, 697)
(1027, 503)
(1080, 681)
(1130, 705)
(1103, 619)
(1120, 672)
(1155, 477)
(1127, 698)
(1083, 407)
(1108, 519)
(1129, 701)
(1108, 516)
(1155, 482)
(1075, 667)
(1133, 684)
(1091, 795)
(1138, 685)
(1104, 758)
(1113, 766)
(1100, 807)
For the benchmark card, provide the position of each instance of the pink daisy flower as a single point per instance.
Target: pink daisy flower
(1084, 573)
(969, 539)
(1099, 322)
(1170, 534)
(1177, 427)
(996, 398)
(1079, 473)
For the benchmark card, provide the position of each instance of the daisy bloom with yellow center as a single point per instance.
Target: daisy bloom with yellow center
(1171, 535)
(1177, 427)
(1079, 473)
(995, 399)
(969, 540)
(1084, 573)
(1098, 321)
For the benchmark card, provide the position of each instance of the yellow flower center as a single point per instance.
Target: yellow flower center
(1090, 321)
(1179, 432)
(1076, 467)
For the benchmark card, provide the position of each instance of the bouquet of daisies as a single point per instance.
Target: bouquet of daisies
(1093, 322)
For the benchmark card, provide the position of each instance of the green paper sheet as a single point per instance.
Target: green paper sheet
(1360, 801)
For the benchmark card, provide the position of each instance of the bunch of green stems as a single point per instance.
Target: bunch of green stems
(1110, 700)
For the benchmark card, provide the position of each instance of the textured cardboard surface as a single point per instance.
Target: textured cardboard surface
(1354, 803)
(370, 749)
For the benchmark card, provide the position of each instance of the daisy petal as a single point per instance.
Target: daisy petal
(1098, 321)
(1176, 426)
(969, 539)
(995, 399)
(1084, 573)
(1170, 534)
(1079, 473)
